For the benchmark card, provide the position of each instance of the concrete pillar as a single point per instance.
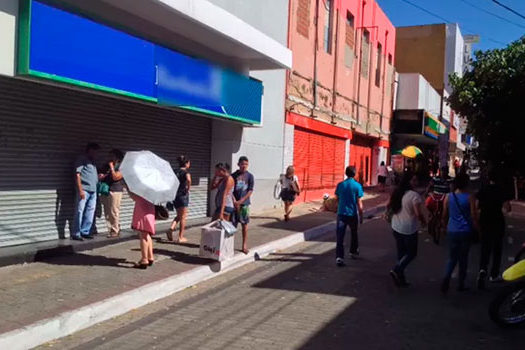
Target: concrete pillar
(8, 36)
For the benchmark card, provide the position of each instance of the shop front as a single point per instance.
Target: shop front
(418, 128)
(81, 81)
(320, 155)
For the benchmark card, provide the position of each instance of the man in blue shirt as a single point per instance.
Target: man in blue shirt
(349, 213)
(86, 180)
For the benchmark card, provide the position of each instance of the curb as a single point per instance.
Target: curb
(73, 321)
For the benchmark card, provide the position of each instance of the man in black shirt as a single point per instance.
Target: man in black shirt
(492, 203)
(244, 183)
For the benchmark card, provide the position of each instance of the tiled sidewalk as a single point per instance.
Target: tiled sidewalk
(40, 290)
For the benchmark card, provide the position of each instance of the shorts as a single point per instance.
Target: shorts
(288, 195)
(181, 202)
(381, 179)
(227, 210)
(242, 216)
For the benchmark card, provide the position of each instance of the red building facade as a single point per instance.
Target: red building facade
(339, 90)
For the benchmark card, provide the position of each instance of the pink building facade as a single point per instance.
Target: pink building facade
(339, 90)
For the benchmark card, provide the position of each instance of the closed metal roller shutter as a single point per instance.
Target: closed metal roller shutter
(319, 160)
(361, 158)
(43, 129)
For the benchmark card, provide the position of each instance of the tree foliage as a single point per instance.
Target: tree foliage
(491, 95)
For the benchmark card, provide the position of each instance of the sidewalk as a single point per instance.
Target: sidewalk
(61, 295)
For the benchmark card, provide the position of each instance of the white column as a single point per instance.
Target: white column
(8, 19)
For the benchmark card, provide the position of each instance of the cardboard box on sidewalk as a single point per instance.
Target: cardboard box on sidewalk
(216, 242)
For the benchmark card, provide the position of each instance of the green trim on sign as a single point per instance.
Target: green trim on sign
(223, 115)
(90, 85)
(24, 36)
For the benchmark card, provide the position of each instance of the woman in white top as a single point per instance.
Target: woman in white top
(289, 190)
(382, 175)
(407, 209)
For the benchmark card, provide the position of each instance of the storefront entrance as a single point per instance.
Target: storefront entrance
(44, 129)
(319, 162)
(361, 157)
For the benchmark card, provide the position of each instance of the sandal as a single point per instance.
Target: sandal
(151, 262)
(140, 265)
(169, 234)
(113, 235)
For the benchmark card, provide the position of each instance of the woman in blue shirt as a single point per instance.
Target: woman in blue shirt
(460, 217)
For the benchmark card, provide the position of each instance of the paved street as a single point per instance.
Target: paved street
(297, 299)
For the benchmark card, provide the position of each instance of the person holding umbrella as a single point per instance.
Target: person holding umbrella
(144, 223)
(151, 181)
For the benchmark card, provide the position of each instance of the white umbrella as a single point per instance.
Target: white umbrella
(149, 176)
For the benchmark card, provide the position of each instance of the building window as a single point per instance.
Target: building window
(350, 32)
(349, 40)
(303, 18)
(365, 59)
(328, 26)
(379, 63)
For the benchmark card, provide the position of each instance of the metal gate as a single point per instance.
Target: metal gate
(43, 128)
(319, 161)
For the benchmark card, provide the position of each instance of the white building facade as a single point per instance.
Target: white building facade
(194, 77)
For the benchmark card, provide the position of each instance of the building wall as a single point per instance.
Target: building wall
(264, 146)
(421, 49)
(8, 28)
(416, 93)
(454, 53)
(353, 95)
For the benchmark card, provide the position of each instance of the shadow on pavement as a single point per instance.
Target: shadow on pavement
(183, 257)
(385, 317)
(80, 259)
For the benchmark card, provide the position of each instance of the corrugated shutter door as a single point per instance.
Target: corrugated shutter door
(44, 128)
(339, 161)
(318, 159)
(315, 161)
(300, 158)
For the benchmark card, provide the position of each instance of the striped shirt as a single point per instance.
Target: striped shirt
(442, 186)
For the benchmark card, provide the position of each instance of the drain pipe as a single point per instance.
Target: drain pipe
(316, 44)
(336, 51)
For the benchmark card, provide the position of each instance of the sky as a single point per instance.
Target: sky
(494, 32)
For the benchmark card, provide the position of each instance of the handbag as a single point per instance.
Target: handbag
(228, 227)
(161, 213)
(103, 188)
(474, 232)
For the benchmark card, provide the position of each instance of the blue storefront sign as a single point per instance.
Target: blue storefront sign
(58, 45)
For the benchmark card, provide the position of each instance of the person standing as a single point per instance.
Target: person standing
(224, 201)
(460, 216)
(112, 199)
(244, 184)
(406, 206)
(289, 190)
(144, 223)
(492, 203)
(182, 199)
(86, 179)
(349, 213)
(456, 167)
(382, 176)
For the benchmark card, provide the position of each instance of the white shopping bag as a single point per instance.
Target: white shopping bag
(216, 242)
